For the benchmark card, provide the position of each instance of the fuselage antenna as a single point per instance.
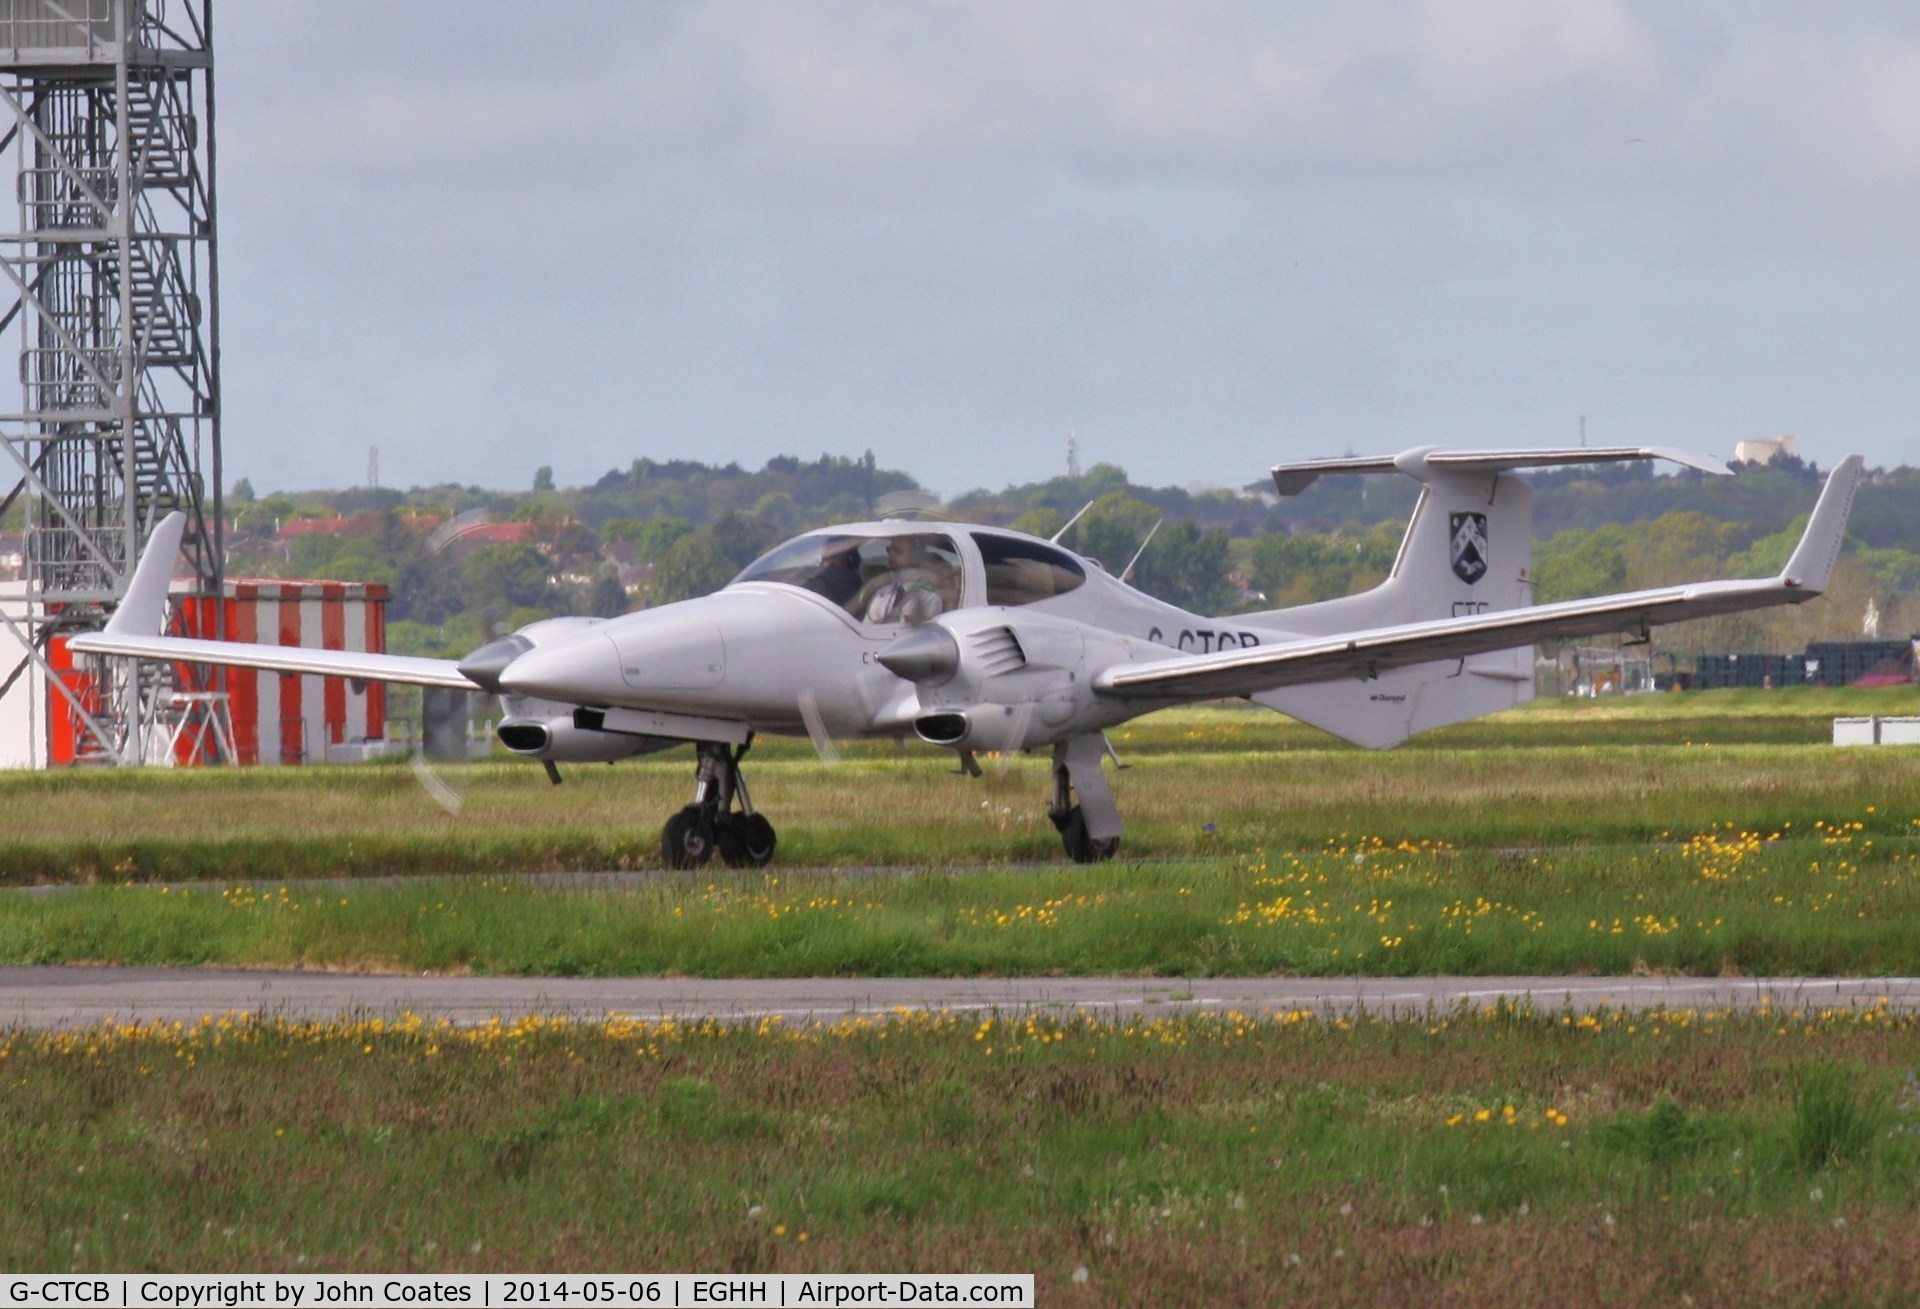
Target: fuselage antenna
(1127, 572)
(1055, 538)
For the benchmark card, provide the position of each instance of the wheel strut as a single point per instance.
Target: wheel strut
(1082, 801)
(721, 816)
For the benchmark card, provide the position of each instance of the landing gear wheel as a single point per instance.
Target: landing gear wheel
(1081, 848)
(687, 841)
(746, 840)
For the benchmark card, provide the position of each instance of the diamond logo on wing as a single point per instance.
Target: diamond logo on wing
(1469, 546)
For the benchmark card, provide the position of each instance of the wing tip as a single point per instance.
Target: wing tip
(142, 611)
(1811, 566)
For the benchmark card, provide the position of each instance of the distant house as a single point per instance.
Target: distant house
(1765, 451)
(356, 525)
(468, 530)
(625, 557)
(316, 527)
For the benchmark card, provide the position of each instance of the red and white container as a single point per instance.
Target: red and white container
(288, 718)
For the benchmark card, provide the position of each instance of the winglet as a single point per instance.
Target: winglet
(144, 608)
(1812, 562)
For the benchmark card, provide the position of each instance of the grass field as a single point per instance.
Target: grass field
(1471, 1158)
(1201, 781)
(1468, 1158)
(1698, 857)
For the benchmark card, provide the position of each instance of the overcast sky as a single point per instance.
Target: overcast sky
(485, 237)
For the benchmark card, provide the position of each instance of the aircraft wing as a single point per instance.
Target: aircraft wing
(1367, 653)
(360, 666)
(134, 631)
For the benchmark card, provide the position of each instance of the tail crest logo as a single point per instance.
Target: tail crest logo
(1469, 546)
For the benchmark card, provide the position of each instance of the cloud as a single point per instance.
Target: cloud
(756, 226)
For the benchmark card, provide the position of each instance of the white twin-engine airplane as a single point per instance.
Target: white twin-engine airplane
(983, 639)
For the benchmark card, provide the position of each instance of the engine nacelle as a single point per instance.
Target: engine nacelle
(557, 738)
(991, 680)
(990, 729)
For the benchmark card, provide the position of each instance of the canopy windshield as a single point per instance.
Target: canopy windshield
(903, 578)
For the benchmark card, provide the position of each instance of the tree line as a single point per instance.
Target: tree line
(656, 532)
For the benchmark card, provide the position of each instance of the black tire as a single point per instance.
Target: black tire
(745, 840)
(1081, 848)
(687, 840)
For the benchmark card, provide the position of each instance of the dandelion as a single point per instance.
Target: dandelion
(1080, 1273)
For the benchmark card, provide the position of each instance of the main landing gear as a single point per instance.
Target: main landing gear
(721, 816)
(1076, 767)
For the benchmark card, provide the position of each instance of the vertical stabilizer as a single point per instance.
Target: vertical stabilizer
(1468, 549)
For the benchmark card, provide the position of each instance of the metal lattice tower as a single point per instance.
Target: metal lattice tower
(113, 266)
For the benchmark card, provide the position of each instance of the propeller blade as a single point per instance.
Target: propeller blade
(1016, 738)
(432, 783)
(817, 728)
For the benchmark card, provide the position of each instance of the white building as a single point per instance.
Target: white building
(1765, 451)
(23, 733)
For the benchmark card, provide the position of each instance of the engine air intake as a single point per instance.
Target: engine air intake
(941, 729)
(524, 738)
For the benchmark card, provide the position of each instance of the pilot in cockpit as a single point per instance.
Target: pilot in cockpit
(907, 592)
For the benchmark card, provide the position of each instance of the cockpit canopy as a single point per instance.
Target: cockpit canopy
(904, 577)
(907, 575)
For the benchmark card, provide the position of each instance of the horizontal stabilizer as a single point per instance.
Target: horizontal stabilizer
(1368, 653)
(1292, 479)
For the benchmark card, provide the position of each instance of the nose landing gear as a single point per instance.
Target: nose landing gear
(721, 816)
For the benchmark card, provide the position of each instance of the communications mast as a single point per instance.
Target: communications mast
(115, 422)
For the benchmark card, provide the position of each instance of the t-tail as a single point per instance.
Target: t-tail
(1468, 550)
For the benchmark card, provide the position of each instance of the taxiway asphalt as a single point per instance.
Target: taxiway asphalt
(64, 997)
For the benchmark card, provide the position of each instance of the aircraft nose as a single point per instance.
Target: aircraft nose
(675, 649)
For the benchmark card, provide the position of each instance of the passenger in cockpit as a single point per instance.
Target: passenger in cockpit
(839, 575)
